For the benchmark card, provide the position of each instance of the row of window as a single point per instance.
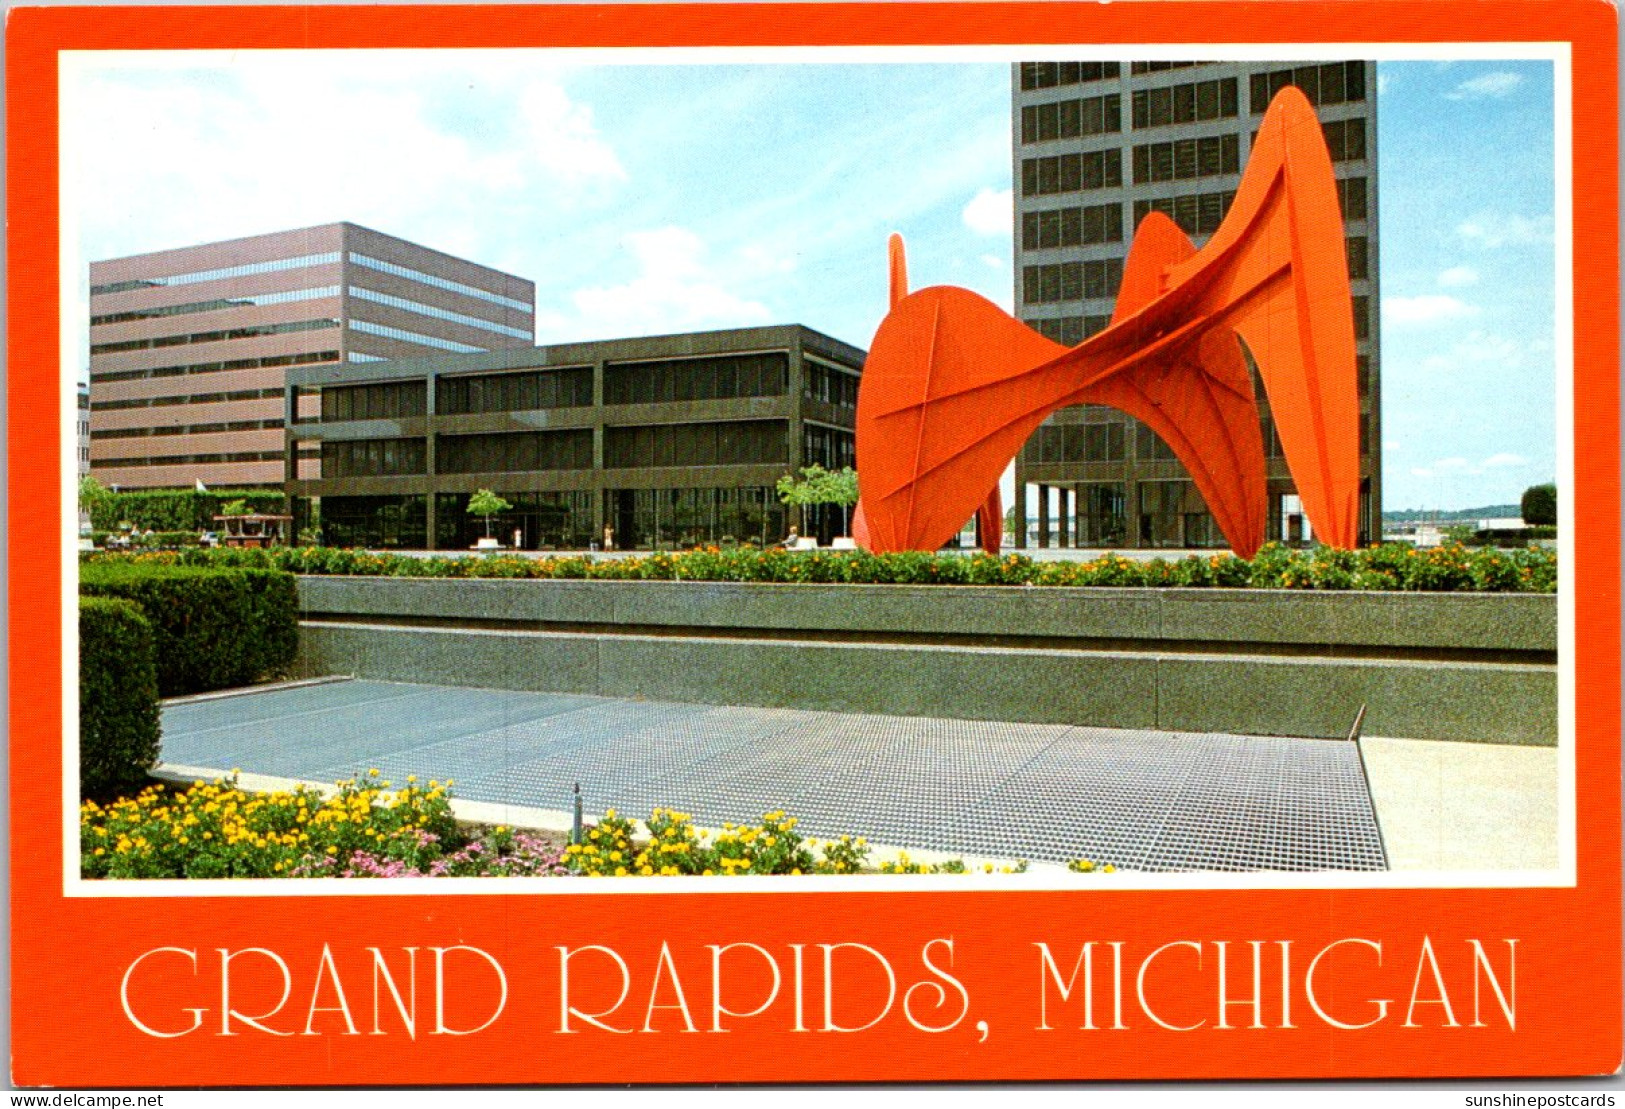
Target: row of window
(202, 459)
(252, 332)
(514, 452)
(387, 400)
(244, 270)
(1070, 173)
(1071, 119)
(739, 443)
(830, 447)
(829, 385)
(1100, 223)
(1093, 280)
(373, 457)
(1049, 75)
(1196, 214)
(1189, 103)
(1184, 159)
(256, 300)
(1332, 83)
(515, 392)
(185, 429)
(628, 383)
(1351, 198)
(643, 518)
(686, 379)
(188, 398)
(306, 359)
(438, 282)
(1137, 68)
(437, 313)
(367, 327)
(1070, 330)
(1053, 443)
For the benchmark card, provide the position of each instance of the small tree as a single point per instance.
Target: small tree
(92, 495)
(234, 508)
(488, 504)
(798, 492)
(817, 485)
(1539, 507)
(840, 487)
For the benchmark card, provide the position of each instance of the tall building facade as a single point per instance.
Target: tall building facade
(190, 349)
(667, 441)
(1097, 146)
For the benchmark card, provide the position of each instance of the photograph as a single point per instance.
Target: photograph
(1059, 541)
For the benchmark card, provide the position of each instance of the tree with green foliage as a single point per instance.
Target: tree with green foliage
(817, 485)
(488, 504)
(1539, 507)
(92, 495)
(235, 508)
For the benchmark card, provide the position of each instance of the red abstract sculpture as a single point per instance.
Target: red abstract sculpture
(954, 386)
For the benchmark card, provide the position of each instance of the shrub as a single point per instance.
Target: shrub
(610, 849)
(175, 509)
(1386, 566)
(213, 628)
(1089, 866)
(118, 697)
(218, 830)
(1539, 505)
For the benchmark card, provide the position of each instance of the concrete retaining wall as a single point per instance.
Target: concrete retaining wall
(1477, 667)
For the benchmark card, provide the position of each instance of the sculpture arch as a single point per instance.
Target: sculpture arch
(954, 386)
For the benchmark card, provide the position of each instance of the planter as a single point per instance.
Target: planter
(1446, 666)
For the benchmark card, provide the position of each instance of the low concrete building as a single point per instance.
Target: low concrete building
(648, 443)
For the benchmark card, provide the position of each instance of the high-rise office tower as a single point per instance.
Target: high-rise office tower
(1097, 145)
(190, 348)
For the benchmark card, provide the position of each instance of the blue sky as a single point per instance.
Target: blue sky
(659, 198)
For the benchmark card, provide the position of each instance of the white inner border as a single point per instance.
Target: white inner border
(74, 64)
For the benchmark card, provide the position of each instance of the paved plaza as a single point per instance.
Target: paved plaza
(1142, 800)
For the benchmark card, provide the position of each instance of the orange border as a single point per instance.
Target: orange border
(68, 957)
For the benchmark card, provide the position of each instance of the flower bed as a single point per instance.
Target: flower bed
(1451, 568)
(367, 829)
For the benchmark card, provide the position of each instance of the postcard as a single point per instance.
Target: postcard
(813, 543)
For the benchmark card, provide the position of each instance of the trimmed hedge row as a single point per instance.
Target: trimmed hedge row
(118, 697)
(213, 628)
(1385, 567)
(176, 509)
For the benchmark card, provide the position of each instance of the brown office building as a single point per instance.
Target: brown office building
(190, 349)
(669, 441)
(1098, 145)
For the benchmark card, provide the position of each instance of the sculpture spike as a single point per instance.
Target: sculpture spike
(897, 267)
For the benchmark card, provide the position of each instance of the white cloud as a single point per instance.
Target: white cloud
(676, 290)
(1457, 466)
(1458, 276)
(1483, 352)
(1494, 231)
(993, 261)
(190, 154)
(1488, 86)
(990, 212)
(1383, 82)
(1428, 308)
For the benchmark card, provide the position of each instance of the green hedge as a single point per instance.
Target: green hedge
(1391, 566)
(214, 628)
(118, 697)
(175, 510)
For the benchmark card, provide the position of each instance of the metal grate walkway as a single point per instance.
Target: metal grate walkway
(1141, 800)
